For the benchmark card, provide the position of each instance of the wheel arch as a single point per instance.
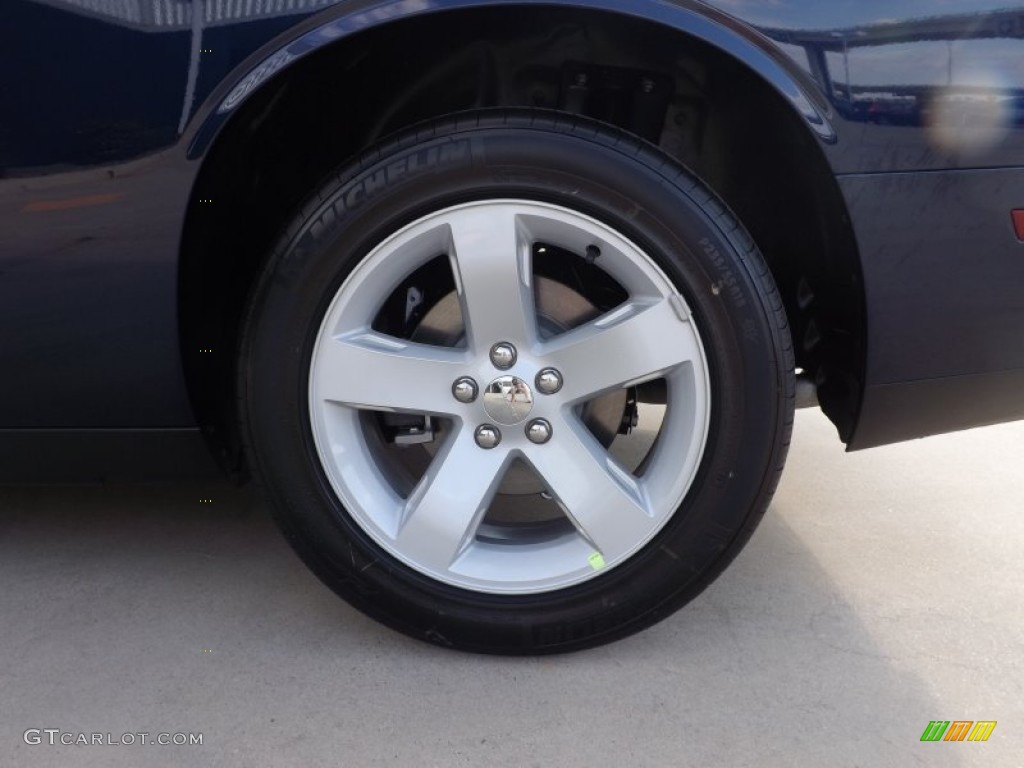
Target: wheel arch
(259, 161)
(330, 27)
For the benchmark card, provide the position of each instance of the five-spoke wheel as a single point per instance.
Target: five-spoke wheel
(516, 383)
(536, 383)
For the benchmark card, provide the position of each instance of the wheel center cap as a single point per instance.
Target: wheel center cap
(508, 400)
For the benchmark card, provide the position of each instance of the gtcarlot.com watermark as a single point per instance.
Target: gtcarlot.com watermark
(54, 736)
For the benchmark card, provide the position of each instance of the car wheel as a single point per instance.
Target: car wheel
(516, 382)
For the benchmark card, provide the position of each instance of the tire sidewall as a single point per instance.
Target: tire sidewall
(631, 188)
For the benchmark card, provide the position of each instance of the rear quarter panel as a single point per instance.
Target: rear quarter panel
(918, 108)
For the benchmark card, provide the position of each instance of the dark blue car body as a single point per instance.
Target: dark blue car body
(151, 151)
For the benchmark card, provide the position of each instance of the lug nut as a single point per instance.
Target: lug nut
(503, 356)
(487, 437)
(539, 431)
(549, 381)
(465, 390)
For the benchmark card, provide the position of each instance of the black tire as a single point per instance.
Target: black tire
(612, 177)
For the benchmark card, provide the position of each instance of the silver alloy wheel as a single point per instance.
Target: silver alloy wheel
(435, 529)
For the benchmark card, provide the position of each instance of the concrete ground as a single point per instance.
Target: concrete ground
(884, 590)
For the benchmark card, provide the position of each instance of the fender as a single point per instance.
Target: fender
(345, 19)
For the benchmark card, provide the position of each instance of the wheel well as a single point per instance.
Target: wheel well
(698, 104)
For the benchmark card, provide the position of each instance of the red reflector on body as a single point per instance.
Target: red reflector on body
(1018, 223)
